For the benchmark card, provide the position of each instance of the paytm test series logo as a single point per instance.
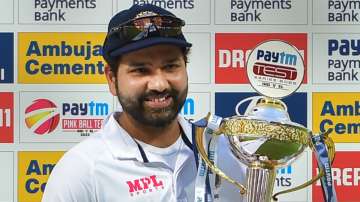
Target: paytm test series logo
(337, 114)
(61, 58)
(232, 51)
(345, 175)
(65, 116)
(6, 58)
(34, 169)
(6, 117)
(275, 68)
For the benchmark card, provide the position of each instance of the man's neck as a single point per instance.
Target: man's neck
(156, 136)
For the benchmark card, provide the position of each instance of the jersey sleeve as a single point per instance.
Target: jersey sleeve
(71, 180)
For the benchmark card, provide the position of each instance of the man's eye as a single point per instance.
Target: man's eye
(139, 70)
(171, 66)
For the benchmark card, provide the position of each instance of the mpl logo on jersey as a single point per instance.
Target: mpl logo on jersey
(345, 174)
(144, 185)
(6, 58)
(62, 116)
(233, 49)
(228, 104)
(54, 57)
(34, 169)
(6, 117)
(337, 113)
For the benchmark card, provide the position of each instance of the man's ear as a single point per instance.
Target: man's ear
(111, 79)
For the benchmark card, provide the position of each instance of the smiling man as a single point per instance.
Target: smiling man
(143, 152)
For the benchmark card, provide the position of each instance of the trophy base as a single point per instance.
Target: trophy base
(260, 184)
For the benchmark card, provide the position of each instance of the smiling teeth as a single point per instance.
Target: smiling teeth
(159, 99)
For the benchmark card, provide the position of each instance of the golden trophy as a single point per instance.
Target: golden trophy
(265, 138)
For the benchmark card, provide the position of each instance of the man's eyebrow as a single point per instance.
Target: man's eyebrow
(139, 64)
(171, 60)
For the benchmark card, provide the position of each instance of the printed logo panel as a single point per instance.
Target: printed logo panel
(226, 105)
(292, 176)
(7, 11)
(61, 58)
(261, 12)
(196, 106)
(336, 12)
(65, 12)
(199, 57)
(337, 114)
(6, 176)
(345, 174)
(6, 117)
(192, 11)
(233, 49)
(6, 58)
(62, 116)
(34, 169)
(337, 58)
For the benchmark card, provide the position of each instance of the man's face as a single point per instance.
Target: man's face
(151, 84)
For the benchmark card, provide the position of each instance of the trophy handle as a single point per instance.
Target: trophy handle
(331, 149)
(199, 144)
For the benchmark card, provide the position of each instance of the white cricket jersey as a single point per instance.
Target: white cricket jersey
(108, 167)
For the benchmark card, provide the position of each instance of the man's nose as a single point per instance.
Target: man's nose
(158, 82)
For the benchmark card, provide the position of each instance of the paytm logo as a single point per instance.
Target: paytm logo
(63, 116)
(91, 108)
(345, 47)
(276, 57)
(6, 58)
(227, 104)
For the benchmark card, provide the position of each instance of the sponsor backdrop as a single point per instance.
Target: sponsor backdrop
(53, 92)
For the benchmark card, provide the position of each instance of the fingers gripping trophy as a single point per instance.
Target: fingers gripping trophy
(265, 138)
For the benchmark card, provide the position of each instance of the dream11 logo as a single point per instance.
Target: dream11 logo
(6, 117)
(42, 116)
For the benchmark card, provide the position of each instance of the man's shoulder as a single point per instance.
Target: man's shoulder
(87, 151)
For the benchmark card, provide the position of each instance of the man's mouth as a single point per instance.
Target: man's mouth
(161, 101)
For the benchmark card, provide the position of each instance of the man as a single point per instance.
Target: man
(145, 152)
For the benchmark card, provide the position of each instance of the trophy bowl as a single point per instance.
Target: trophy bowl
(264, 139)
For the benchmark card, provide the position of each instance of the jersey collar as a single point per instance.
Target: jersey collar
(121, 144)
